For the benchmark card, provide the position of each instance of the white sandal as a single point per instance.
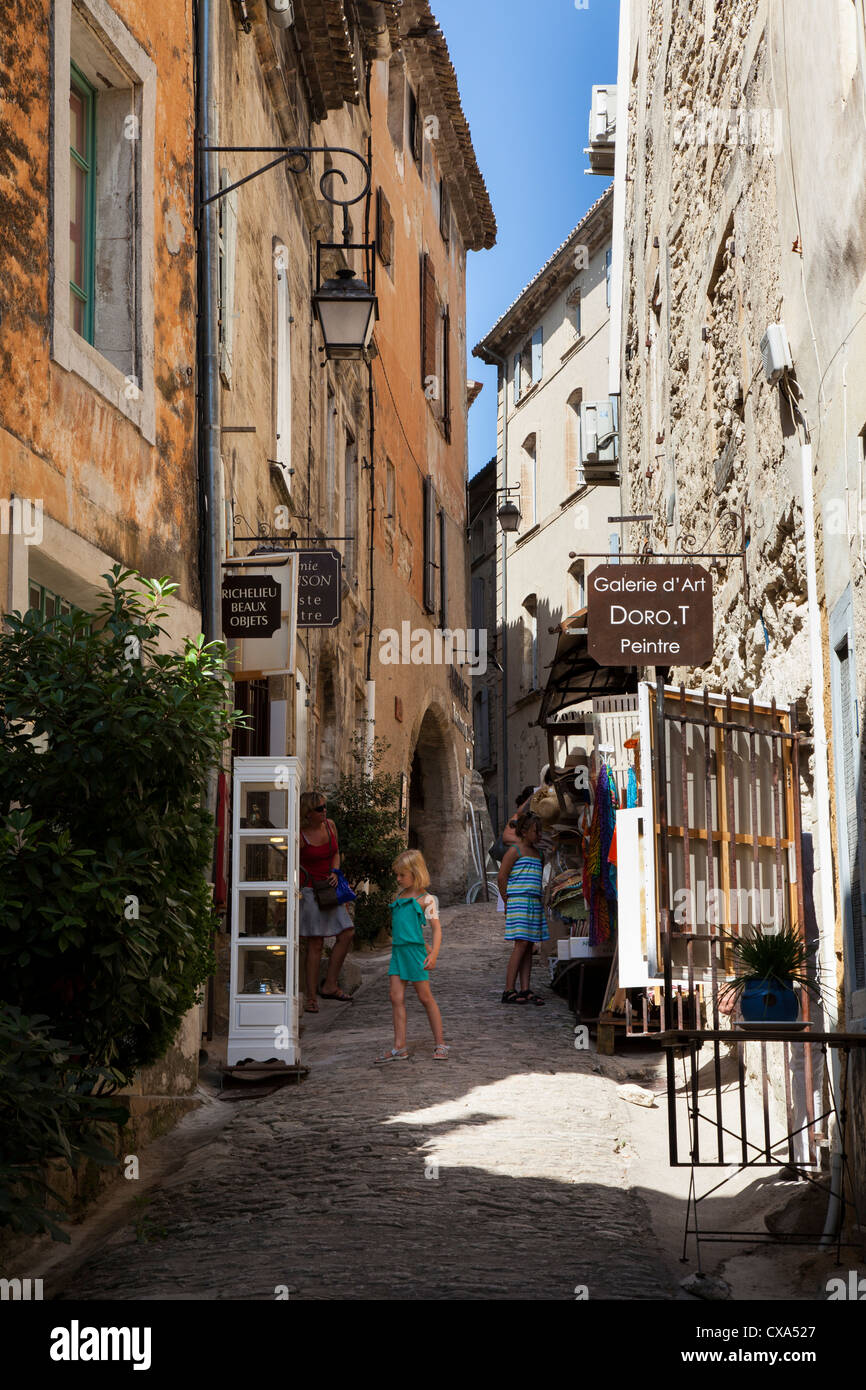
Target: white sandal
(440, 1052)
(393, 1054)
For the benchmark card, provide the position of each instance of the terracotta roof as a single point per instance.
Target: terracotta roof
(555, 268)
(424, 43)
(330, 66)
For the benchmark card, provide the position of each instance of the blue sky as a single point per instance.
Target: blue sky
(525, 73)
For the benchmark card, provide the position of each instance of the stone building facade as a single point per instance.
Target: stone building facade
(367, 457)
(97, 327)
(740, 181)
(551, 347)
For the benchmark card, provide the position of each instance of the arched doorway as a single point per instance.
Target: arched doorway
(437, 819)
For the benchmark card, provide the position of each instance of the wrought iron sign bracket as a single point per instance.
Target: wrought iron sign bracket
(687, 552)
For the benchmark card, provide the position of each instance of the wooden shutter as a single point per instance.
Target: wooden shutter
(516, 377)
(537, 340)
(428, 321)
(284, 377)
(443, 592)
(444, 213)
(446, 374)
(384, 229)
(429, 546)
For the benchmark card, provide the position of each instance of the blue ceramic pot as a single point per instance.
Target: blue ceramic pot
(769, 1001)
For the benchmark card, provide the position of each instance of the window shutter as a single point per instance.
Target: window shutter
(444, 213)
(477, 603)
(443, 592)
(284, 377)
(446, 374)
(428, 322)
(229, 224)
(851, 827)
(384, 229)
(537, 339)
(516, 377)
(429, 546)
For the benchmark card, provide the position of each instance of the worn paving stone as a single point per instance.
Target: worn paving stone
(490, 1176)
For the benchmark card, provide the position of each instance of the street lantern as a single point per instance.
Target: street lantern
(509, 516)
(346, 309)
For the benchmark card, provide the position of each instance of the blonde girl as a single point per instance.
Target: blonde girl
(410, 959)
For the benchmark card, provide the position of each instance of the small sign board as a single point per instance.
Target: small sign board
(319, 588)
(650, 615)
(251, 605)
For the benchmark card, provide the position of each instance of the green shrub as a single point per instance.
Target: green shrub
(106, 745)
(372, 914)
(365, 807)
(47, 1111)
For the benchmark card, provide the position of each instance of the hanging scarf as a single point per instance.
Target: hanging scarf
(599, 875)
(631, 790)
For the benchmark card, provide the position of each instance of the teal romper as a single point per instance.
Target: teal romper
(408, 948)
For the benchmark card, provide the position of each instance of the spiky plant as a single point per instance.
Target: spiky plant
(781, 956)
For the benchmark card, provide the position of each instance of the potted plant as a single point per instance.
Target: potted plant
(767, 967)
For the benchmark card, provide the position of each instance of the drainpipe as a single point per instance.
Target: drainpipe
(503, 368)
(827, 953)
(211, 508)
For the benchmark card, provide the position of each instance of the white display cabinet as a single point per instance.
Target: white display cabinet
(264, 911)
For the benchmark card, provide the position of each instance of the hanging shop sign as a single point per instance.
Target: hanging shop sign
(319, 588)
(653, 615)
(251, 605)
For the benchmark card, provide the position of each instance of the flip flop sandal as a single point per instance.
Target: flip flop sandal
(527, 997)
(339, 995)
(440, 1052)
(393, 1055)
(311, 1006)
(509, 996)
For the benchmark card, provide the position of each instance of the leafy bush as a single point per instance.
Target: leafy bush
(106, 745)
(365, 807)
(47, 1111)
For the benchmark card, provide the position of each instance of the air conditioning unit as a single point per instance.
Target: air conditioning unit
(602, 131)
(599, 441)
(776, 352)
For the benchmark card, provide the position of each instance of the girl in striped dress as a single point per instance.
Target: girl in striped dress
(520, 885)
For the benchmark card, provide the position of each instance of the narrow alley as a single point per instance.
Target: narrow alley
(499, 1174)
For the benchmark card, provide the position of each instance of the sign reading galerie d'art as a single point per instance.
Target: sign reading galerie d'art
(654, 615)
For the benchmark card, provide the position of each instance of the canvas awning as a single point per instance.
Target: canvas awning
(575, 677)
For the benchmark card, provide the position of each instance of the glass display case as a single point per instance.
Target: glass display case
(264, 992)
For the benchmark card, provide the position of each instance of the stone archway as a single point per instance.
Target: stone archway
(437, 820)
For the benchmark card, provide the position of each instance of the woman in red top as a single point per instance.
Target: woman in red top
(319, 857)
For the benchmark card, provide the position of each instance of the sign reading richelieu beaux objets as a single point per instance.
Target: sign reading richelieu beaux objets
(251, 605)
(650, 615)
(319, 588)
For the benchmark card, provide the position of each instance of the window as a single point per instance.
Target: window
(385, 232)
(350, 527)
(573, 448)
(444, 213)
(103, 128)
(228, 237)
(435, 348)
(573, 302)
(429, 546)
(528, 364)
(479, 599)
(529, 621)
(529, 480)
(443, 577)
(49, 604)
(330, 448)
(576, 587)
(481, 721)
(416, 140)
(608, 257)
(283, 368)
(82, 194)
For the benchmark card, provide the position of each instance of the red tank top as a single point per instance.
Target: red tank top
(316, 859)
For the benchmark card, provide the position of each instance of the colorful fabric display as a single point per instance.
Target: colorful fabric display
(599, 875)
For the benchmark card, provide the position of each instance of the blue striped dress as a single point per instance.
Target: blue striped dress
(524, 915)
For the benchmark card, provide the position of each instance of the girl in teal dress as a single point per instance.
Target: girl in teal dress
(410, 959)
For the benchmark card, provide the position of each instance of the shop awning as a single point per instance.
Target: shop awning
(575, 677)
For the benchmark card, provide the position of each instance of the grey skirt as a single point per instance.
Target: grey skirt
(319, 921)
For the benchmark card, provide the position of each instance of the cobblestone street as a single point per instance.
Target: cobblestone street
(499, 1174)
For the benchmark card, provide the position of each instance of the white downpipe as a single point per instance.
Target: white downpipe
(370, 726)
(827, 937)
